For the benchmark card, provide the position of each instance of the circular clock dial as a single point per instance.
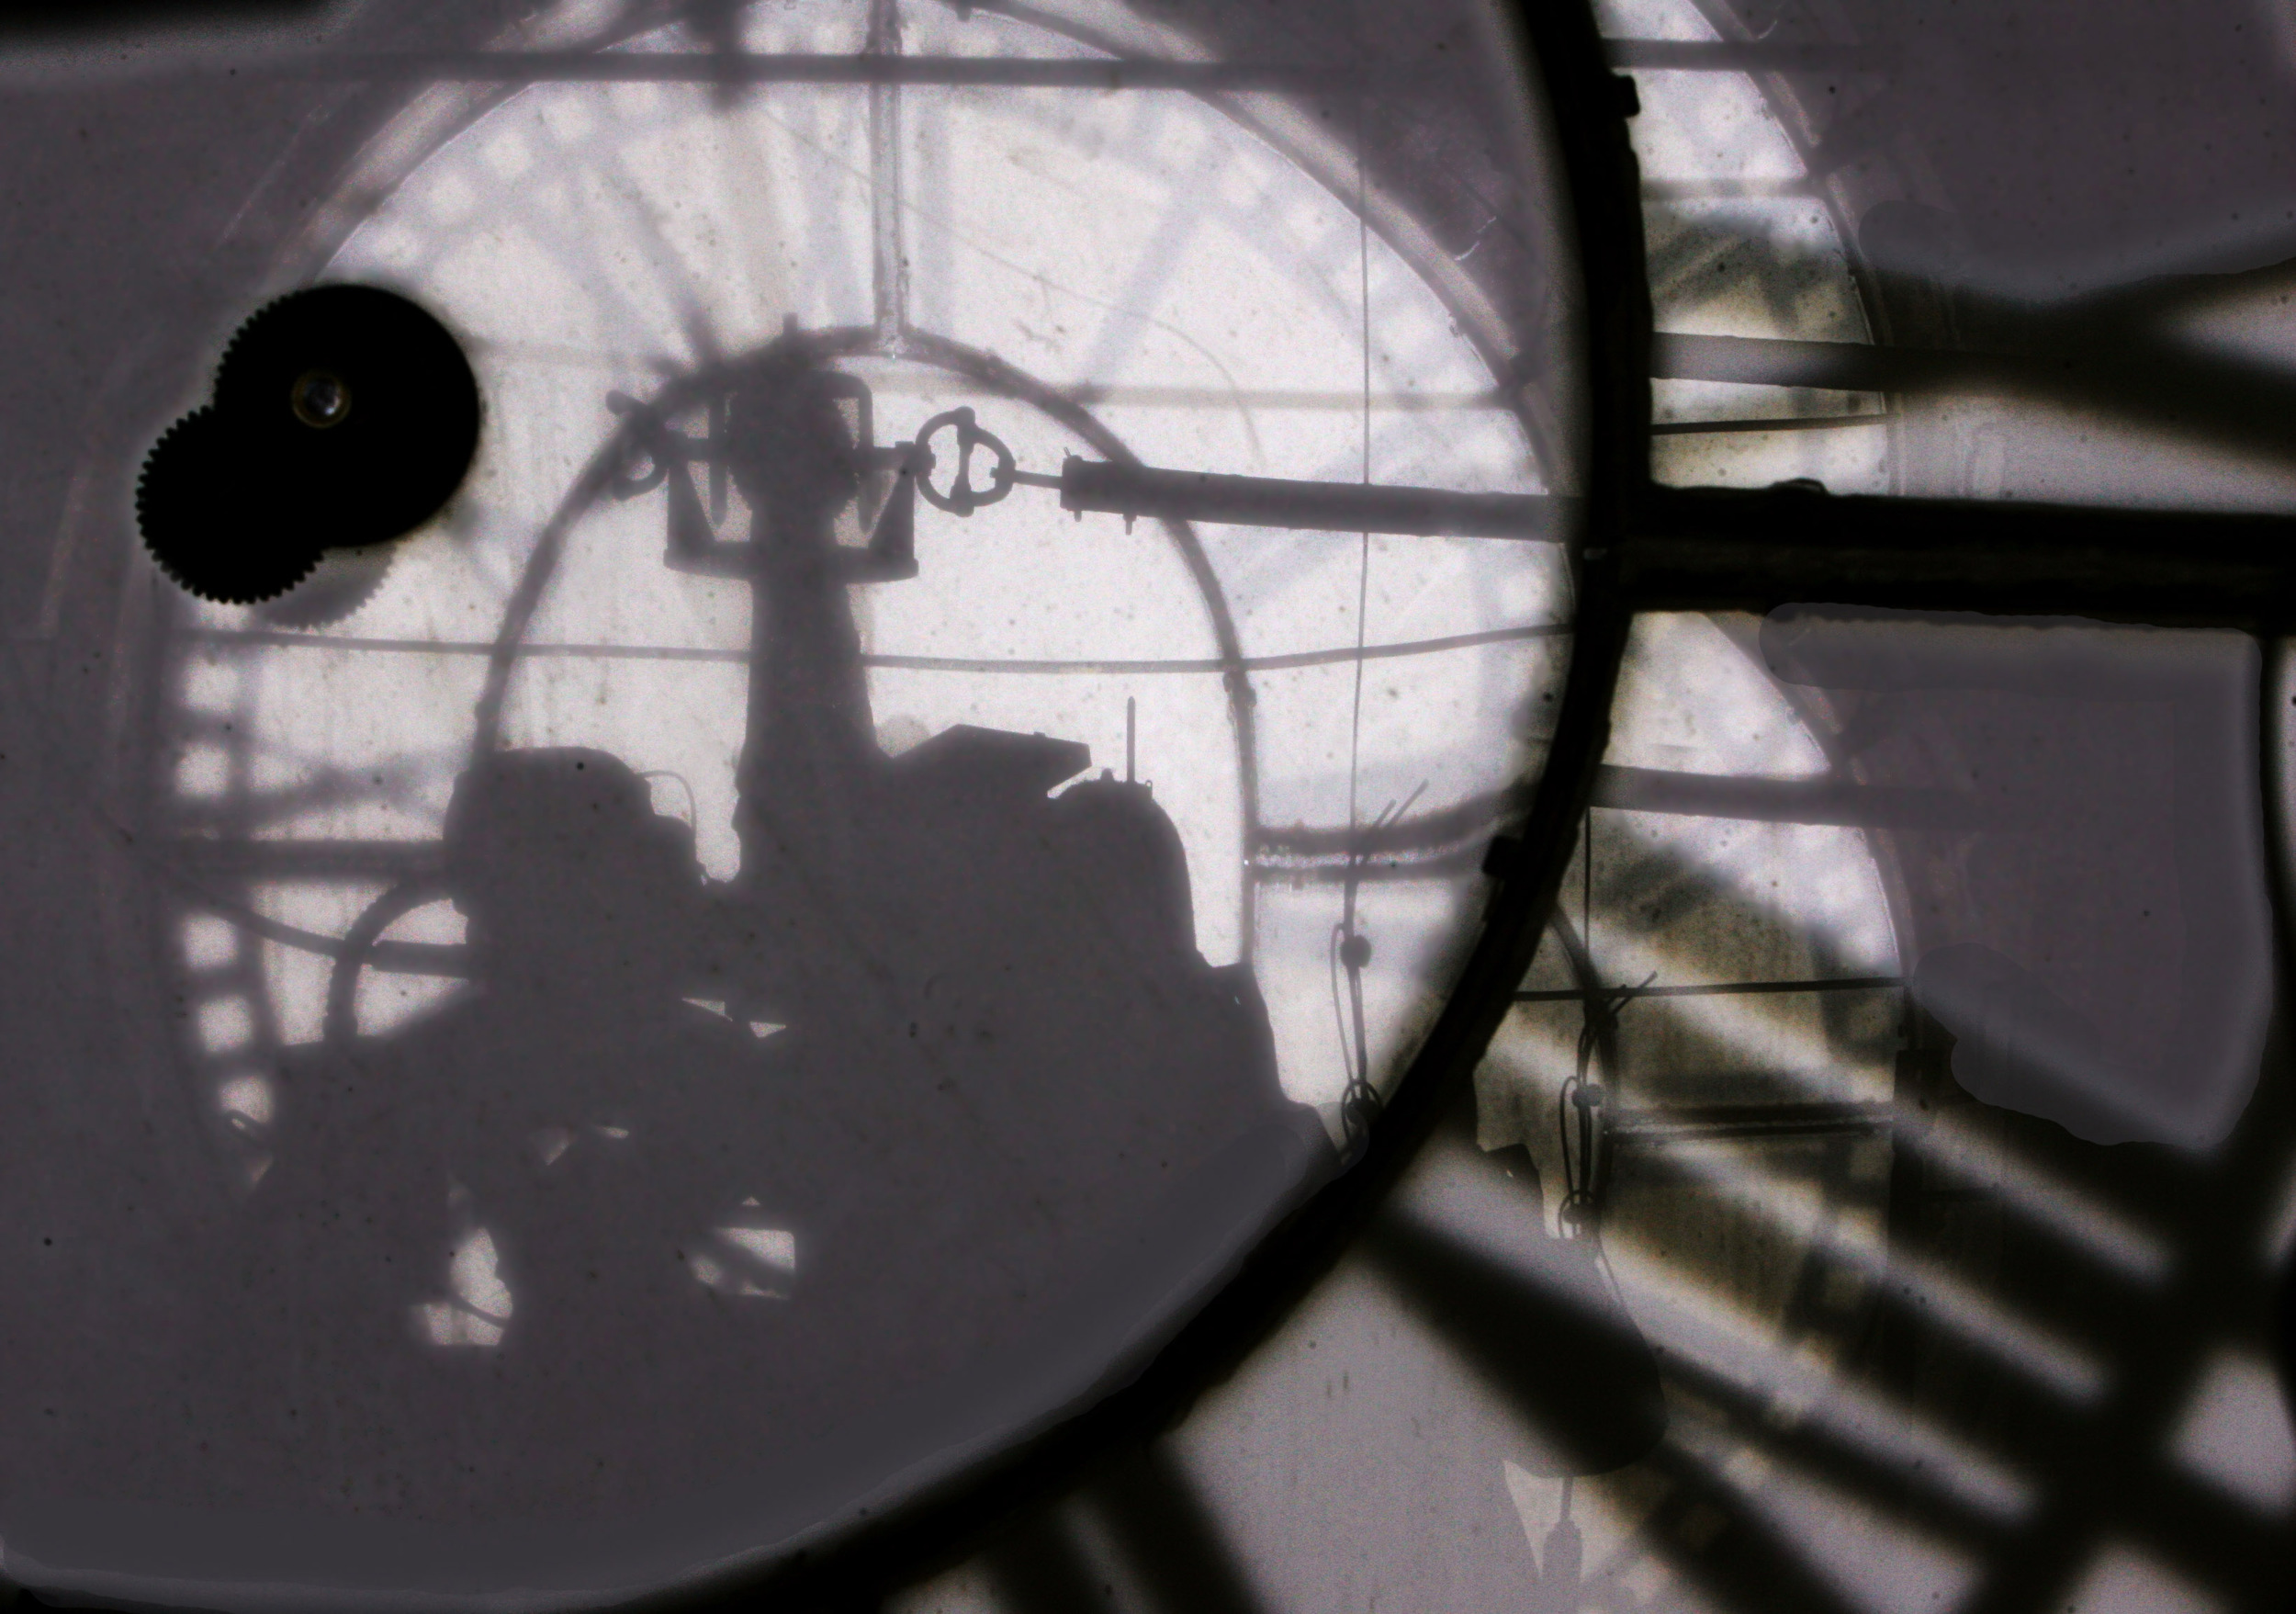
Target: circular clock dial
(759, 960)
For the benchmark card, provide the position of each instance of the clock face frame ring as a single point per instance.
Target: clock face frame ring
(1255, 1298)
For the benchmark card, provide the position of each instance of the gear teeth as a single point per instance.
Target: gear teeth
(249, 496)
(250, 592)
(337, 585)
(238, 343)
(250, 332)
(178, 497)
(197, 420)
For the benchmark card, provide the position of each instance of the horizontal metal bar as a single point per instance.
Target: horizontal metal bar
(1708, 549)
(1799, 801)
(1842, 366)
(1703, 1122)
(273, 638)
(1801, 423)
(939, 387)
(1333, 507)
(1720, 190)
(749, 67)
(1145, 395)
(1378, 871)
(1091, 72)
(1720, 990)
(1441, 829)
(304, 860)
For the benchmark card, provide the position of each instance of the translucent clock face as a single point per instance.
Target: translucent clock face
(1096, 276)
(786, 974)
(725, 980)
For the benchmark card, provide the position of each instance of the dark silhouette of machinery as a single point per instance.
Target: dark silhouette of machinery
(937, 1082)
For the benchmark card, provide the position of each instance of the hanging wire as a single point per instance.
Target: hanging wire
(1578, 1111)
(1579, 1106)
(1350, 949)
(1579, 1100)
(1363, 562)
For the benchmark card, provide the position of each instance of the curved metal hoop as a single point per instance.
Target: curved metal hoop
(341, 1025)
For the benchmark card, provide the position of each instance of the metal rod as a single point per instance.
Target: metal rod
(889, 264)
(1707, 548)
(1807, 423)
(1844, 367)
(1334, 507)
(709, 67)
(272, 639)
(1725, 1120)
(1821, 800)
(1720, 990)
(743, 67)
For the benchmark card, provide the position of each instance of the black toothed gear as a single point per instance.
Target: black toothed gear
(345, 416)
(403, 418)
(201, 524)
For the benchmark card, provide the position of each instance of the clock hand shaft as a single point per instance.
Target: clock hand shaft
(1276, 502)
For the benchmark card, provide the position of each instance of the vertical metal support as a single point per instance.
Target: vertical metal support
(1922, 1074)
(889, 262)
(720, 466)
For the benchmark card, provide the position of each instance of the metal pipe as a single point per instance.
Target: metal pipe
(1333, 507)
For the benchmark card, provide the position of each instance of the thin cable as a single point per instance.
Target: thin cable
(1581, 1101)
(1359, 1106)
(1363, 565)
